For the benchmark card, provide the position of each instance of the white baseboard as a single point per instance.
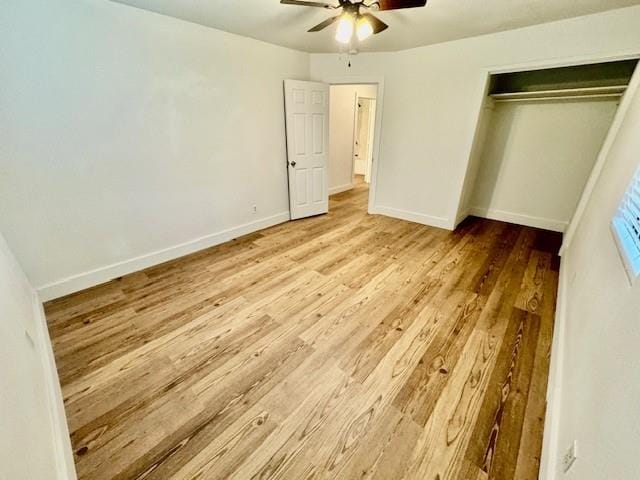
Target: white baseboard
(520, 219)
(65, 468)
(462, 216)
(432, 221)
(100, 275)
(550, 455)
(340, 188)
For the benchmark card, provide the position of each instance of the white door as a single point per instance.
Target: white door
(307, 121)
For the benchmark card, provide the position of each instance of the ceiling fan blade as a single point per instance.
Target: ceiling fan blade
(377, 24)
(323, 25)
(397, 4)
(304, 3)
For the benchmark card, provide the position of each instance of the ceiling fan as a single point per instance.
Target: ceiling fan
(351, 19)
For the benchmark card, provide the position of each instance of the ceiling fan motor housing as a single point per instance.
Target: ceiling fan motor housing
(352, 8)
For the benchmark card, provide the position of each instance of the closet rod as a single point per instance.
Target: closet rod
(565, 97)
(562, 94)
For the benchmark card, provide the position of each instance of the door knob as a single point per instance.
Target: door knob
(293, 164)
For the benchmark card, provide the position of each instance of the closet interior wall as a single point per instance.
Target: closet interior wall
(535, 149)
(536, 159)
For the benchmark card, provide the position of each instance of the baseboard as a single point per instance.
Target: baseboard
(462, 216)
(340, 188)
(100, 275)
(432, 221)
(520, 219)
(550, 455)
(65, 468)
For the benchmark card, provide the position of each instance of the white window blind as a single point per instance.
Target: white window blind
(626, 228)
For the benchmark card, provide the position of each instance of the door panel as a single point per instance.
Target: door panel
(318, 134)
(318, 185)
(299, 128)
(301, 187)
(307, 115)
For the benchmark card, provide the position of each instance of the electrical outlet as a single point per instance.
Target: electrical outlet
(255, 209)
(570, 457)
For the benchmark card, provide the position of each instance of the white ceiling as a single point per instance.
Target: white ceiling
(439, 21)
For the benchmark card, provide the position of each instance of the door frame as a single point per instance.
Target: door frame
(379, 82)
(371, 136)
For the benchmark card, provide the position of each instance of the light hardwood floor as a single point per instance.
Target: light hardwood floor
(342, 346)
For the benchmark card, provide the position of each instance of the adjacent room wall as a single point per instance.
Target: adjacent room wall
(536, 159)
(433, 96)
(128, 138)
(341, 133)
(598, 330)
(34, 444)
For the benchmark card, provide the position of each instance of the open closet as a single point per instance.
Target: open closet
(538, 138)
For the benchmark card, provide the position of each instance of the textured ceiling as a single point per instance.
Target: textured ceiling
(439, 21)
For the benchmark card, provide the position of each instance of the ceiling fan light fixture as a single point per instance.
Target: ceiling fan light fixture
(344, 33)
(351, 21)
(363, 29)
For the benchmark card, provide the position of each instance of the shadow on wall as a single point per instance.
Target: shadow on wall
(497, 147)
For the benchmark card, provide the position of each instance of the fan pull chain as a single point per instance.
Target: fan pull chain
(349, 54)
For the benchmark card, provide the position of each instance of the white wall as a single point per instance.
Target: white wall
(536, 159)
(126, 133)
(598, 330)
(433, 96)
(34, 441)
(341, 133)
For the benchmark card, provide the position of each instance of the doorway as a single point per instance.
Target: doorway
(352, 139)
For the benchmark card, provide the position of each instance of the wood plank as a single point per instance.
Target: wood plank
(498, 429)
(528, 463)
(532, 289)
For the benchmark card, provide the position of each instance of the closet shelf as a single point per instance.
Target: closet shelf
(562, 94)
